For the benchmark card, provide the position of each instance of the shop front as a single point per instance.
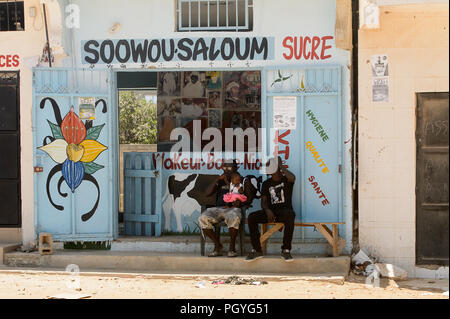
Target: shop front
(270, 91)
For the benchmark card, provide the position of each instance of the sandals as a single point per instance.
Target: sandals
(232, 253)
(215, 253)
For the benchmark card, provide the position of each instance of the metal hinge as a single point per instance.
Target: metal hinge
(340, 168)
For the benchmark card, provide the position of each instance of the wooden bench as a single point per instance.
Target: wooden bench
(330, 235)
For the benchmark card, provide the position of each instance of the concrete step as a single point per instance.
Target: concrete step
(180, 263)
(191, 244)
(7, 247)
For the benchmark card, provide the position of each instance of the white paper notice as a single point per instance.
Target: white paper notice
(380, 65)
(285, 112)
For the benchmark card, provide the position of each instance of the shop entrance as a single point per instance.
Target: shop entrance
(137, 118)
(151, 106)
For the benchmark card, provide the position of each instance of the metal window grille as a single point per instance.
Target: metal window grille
(215, 15)
(12, 17)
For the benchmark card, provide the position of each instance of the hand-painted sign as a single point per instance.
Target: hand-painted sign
(282, 139)
(178, 162)
(185, 49)
(317, 125)
(307, 48)
(316, 156)
(317, 189)
(9, 61)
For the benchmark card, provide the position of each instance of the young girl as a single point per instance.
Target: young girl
(236, 190)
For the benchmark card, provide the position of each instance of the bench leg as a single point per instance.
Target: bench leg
(202, 243)
(335, 241)
(241, 238)
(263, 243)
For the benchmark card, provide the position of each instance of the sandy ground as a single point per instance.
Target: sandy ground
(38, 285)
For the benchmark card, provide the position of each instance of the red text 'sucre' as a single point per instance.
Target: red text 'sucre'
(307, 48)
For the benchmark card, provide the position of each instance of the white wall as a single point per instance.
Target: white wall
(415, 38)
(28, 45)
(143, 19)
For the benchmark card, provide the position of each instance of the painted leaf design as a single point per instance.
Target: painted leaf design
(73, 173)
(56, 130)
(56, 150)
(92, 149)
(94, 132)
(73, 128)
(91, 167)
(276, 81)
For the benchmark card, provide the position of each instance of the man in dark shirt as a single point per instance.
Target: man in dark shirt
(231, 214)
(276, 204)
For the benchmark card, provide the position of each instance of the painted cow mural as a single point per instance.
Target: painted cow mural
(185, 194)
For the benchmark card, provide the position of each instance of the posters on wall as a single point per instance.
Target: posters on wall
(285, 112)
(219, 99)
(380, 78)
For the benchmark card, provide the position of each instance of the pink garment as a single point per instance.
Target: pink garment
(231, 197)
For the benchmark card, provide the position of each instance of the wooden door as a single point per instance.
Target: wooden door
(432, 211)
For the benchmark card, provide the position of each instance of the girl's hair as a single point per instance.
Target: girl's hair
(235, 175)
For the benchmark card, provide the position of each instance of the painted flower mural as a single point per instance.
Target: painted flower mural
(74, 147)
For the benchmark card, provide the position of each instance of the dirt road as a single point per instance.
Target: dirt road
(39, 285)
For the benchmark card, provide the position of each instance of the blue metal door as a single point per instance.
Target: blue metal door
(313, 150)
(75, 151)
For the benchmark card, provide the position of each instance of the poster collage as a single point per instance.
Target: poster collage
(219, 99)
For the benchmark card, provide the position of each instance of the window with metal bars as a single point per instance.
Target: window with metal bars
(12, 17)
(215, 15)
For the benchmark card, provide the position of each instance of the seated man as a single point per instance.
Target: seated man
(276, 204)
(229, 212)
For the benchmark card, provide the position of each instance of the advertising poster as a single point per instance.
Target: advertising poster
(380, 89)
(285, 112)
(86, 108)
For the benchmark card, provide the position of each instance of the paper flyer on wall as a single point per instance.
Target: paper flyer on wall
(86, 108)
(380, 66)
(380, 89)
(380, 78)
(285, 112)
